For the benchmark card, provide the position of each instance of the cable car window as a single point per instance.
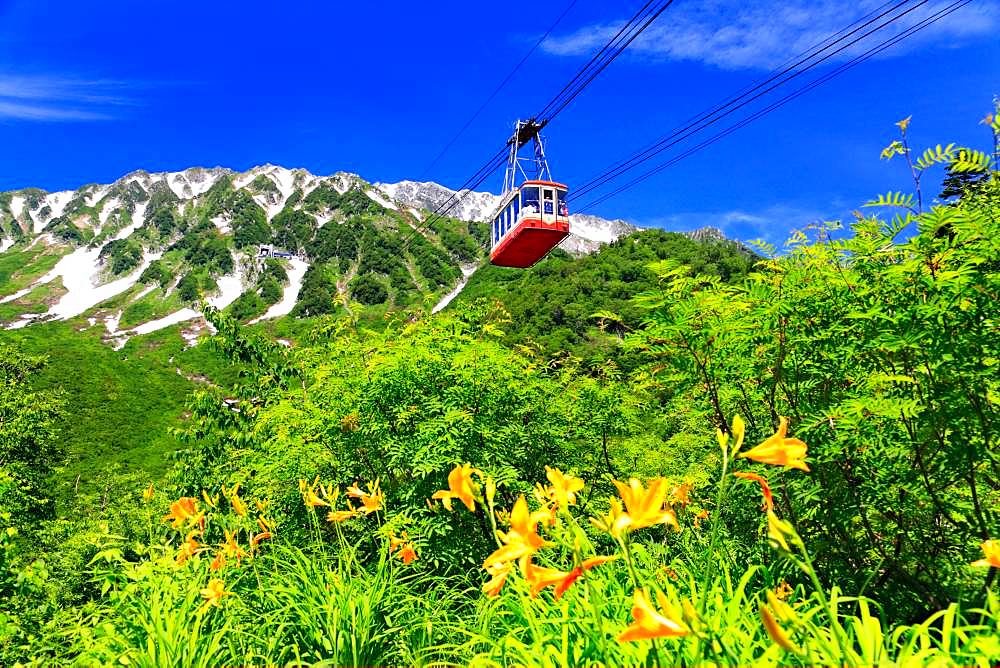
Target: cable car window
(549, 204)
(517, 207)
(530, 198)
(561, 201)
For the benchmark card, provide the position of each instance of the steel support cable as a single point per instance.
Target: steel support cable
(595, 62)
(649, 21)
(781, 69)
(788, 98)
(713, 116)
(628, 30)
(478, 177)
(630, 24)
(497, 90)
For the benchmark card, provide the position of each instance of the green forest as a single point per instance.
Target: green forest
(667, 453)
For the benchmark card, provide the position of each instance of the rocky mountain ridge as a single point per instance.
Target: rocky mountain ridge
(142, 253)
(134, 254)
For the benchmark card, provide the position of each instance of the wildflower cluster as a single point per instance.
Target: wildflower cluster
(359, 502)
(637, 506)
(239, 537)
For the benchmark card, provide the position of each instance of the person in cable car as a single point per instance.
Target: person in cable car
(563, 208)
(531, 201)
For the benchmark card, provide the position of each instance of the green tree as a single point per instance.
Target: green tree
(368, 290)
(28, 430)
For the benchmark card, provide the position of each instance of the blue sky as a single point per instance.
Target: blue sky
(91, 91)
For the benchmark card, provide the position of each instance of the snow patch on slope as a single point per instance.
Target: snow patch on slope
(291, 294)
(138, 218)
(5, 244)
(155, 325)
(17, 295)
(177, 182)
(467, 271)
(230, 288)
(221, 222)
(78, 271)
(108, 208)
(96, 196)
(379, 199)
(17, 206)
(285, 180)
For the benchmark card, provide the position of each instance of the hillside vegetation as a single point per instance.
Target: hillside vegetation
(553, 304)
(786, 460)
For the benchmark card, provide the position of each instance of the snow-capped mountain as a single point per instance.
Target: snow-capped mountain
(141, 253)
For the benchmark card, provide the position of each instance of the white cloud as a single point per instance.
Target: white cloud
(731, 34)
(57, 98)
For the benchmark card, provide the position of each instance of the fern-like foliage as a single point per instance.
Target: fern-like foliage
(971, 161)
(896, 199)
(937, 156)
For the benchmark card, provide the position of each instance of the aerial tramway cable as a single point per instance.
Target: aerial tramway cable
(604, 57)
(739, 101)
(496, 91)
(940, 14)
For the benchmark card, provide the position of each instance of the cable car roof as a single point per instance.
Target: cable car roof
(552, 184)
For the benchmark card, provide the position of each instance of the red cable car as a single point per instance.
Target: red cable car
(533, 217)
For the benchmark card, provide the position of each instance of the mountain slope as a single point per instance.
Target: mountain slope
(139, 254)
(552, 304)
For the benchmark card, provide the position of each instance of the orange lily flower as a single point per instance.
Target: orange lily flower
(540, 577)
(650, 623)
(764, 487)
(522, 540)
(210, 501)
(407, 554)
(214, 593)
(395, 543)
(779, 450)
(681, 494)
(189, 548)
(498, 576)
(991, 551)
(183, 511)
(370, 501)
(218, 563)
(572, 576)
(644, 507)
(460, 486)
(609, 521)
(338, 516)
(232, 548)
(233, 495)
(309, 496)
(266, 535)
(779, 532)
(312, 501)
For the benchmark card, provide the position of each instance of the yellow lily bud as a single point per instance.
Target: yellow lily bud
(774, 631)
